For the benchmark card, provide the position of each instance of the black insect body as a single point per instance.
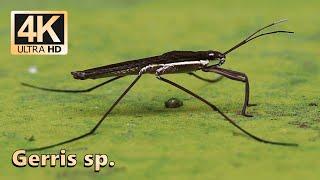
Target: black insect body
(169, 63)
(183, 61)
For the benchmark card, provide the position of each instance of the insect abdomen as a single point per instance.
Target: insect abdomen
(119, 69)
(82, 75)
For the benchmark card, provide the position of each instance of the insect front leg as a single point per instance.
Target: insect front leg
(234, 75)
(205, 79)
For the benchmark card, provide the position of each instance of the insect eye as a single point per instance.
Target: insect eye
(211, 56)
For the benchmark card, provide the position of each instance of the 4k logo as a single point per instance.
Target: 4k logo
(39, 32)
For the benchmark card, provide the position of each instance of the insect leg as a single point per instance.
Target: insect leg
(96, 126)
(205, 79)
(72, 91)
(224, 115)
(238, 76)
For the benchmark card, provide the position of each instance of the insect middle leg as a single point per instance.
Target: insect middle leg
(238, 76)
(72, 91)
(215, 108)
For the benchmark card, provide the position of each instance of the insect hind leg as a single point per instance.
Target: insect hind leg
(102, 119)
(72, 91)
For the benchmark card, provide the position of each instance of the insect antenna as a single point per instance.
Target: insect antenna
(252, 36)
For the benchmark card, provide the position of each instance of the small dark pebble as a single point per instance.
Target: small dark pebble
(173, 103)
(304, 125)
(300, 124)
(31, 138)
(313, 104)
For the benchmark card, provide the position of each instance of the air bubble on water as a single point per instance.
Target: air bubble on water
(33, 70)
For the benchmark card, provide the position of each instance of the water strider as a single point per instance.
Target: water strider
(169, 63)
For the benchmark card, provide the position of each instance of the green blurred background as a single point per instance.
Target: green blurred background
(145, 139)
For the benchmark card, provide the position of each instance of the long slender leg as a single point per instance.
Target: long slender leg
(224, 115)
(97, 125)
(205, 79)
(72, 91)
(238, 76)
